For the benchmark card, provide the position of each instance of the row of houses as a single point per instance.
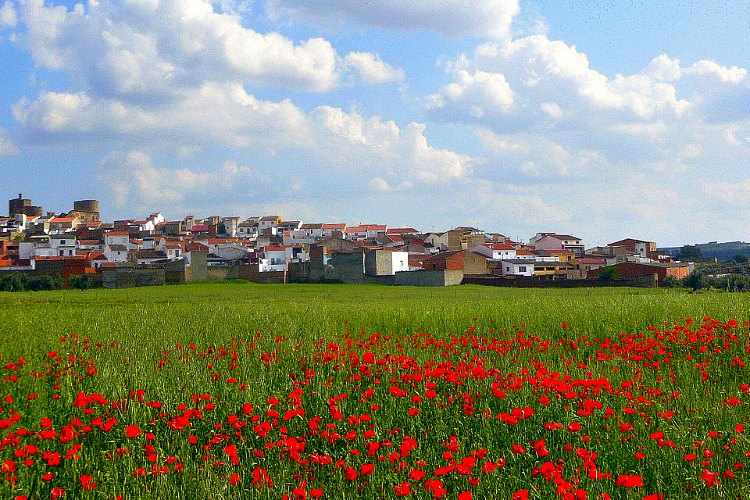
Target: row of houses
(271, 248)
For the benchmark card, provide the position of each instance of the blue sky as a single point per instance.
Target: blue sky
(603, 118)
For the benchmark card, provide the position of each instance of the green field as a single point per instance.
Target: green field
(242, 342)
(218, 312)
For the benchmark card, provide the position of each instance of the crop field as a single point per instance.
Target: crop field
(335, 391)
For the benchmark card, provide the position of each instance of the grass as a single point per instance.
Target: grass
(141, 339)
(218, 312)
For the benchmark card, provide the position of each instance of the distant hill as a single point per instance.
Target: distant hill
(721, 251)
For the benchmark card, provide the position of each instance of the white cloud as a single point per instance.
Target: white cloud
(535, 80)
(8, 16)
(487, 18)
(135, 181)
(6, 145)
(227, 114)
(479, 94)
(371, 69)
(142, 49)
(214, 112)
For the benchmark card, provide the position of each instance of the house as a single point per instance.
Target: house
(554, 255)
(116, 253)
(587, 264)
(334, 230)
(385, 262)
(275, 258)
(517, 267)
(642, 248)
(62, 245)
(229, 226)
(149, 256)
(477, 263)
(8, 253)
(248, 228)
(437, 240)
(85, 246)
(173, 228)
(497, 251)
(444, 261)
(365, 231)
(552, 269)
(268, 222)
(201, 229)
(306, 233)
(117, 237)
(288, 226)
(62, 224)
(553, 241)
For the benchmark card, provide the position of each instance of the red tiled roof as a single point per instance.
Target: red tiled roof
(274, 248)
(62, 220)
(200, 228)
(117, 233)
(336, 226)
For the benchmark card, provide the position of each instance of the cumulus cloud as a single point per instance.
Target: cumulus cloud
(136, 181)
(6, 145)
(534, 90)
(147, 49)
(213, 112)
(476, 95)
(371, 69)
(8, 15)
(488, 18)
(227, 114)
(535, 81)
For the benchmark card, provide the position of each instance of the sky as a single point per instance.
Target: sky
(602, 118)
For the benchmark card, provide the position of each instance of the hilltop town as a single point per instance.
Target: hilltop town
(153, 250)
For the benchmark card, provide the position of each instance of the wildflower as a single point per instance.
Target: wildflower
(402, 489)
(629, 481)
(87, 482)
(132, 431)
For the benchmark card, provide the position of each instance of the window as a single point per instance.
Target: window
(522, 269)
(507, 268)
(62, 253)
(62, 242)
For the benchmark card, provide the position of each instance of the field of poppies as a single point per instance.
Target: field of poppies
(333, 391)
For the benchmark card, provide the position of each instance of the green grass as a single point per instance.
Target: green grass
(218, 312)
(131, 331)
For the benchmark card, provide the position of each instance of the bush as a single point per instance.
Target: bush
(671, 282)
(82, 282)
(13, 282)
(20, 282)
(609, 274)
(695, 281)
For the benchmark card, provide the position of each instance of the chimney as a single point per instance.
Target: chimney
(20, 196)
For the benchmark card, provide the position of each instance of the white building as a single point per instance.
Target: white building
(517, 267)
(497, 251)
(552, 241)
(365, 231)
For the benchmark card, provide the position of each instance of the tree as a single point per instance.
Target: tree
(740, 259)
(81, 282)
(695, 281)
(609, 274)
